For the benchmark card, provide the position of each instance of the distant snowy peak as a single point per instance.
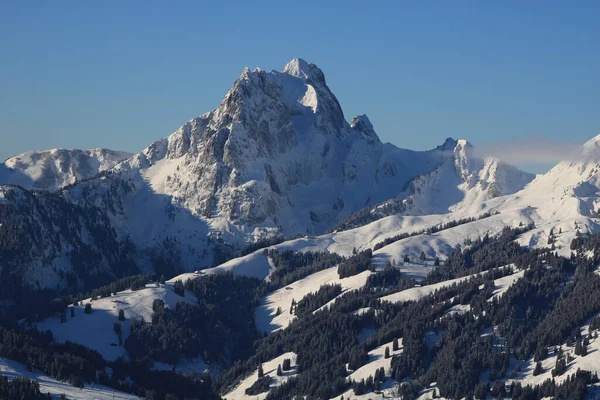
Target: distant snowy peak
(56, 168)
(579, 175)
(591, 148)
(448, 146)
(463, 181)
(302, 69)
(363, 125)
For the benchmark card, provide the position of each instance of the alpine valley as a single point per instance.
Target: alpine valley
(270, 249)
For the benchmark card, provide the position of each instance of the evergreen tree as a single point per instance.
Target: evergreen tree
(261, 373)
(287, 364)
(178, 288)
(538, 369)
(279, 373)
(117, 328)
(72, 311)
(387, 352)
(88, 308)
(121, 315)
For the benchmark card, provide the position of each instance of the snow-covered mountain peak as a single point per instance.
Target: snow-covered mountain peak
(463, 146)
(590, 151)
(592, 144)
(363, 125)
(302, 69)
(448, 146)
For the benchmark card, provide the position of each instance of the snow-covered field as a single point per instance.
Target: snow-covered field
(13, 369)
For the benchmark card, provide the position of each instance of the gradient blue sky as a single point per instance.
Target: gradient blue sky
(120, 74)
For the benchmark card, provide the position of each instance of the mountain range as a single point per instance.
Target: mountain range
(286, 252)
(277, 158)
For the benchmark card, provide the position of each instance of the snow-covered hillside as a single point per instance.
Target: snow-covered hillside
(54, 169)
(96, 330)
(13, 369)
(270, 369)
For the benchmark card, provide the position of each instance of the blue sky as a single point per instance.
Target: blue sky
(120, 74)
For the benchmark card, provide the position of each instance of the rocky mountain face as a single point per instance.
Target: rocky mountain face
(277, 157)
(57, 168)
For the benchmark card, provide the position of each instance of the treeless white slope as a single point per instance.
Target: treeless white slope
(418, 292)
(96, 330)
(13, 369)
(442, 243)
(269, 369)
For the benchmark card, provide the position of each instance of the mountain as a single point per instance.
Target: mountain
(459, 185)
(57, 168)
(277, 158)
(375, 271)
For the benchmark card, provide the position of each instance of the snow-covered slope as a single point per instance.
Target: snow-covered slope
(54, 169)
(463, 182)
(267, 317)
(12, 369)
(563, 201)
(96, 331)
(270, 369)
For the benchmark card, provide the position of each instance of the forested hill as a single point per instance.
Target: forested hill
(494, 320)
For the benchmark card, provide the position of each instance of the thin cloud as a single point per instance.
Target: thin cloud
(531, 150)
